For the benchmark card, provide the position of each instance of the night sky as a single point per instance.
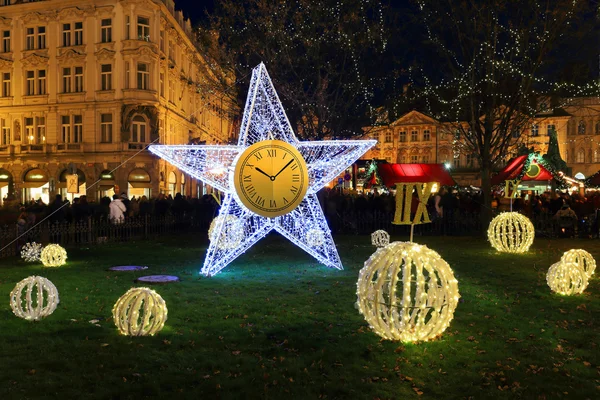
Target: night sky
(194, 9)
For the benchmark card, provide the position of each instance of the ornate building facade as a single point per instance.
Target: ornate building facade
(418, 138)
(86, 85)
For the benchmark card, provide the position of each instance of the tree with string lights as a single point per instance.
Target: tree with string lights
(326, 57)
(495, 58)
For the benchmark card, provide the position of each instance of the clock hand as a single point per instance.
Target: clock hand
(286, 165)
(264, 173)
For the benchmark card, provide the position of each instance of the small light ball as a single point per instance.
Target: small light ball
(232, 233)
(582, 258)
(511, 232)
(31, 251)
(380, 238)
(140, 312)
(407, 292)
(315, 237)
(53, 256)
(41, 298)
(566, 278)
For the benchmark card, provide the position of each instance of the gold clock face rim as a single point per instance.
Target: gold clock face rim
(246, 157)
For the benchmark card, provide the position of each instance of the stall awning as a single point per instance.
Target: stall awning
(536, 171)
(405, 173)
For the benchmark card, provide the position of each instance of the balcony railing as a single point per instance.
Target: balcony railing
(68, 147)
(33, 148)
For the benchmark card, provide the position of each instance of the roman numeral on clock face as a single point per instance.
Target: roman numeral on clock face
(260, 201)
(294, 189)
(294, 166)
(251, 190)
(285, 201)
(247, 178)
(296, 178)
(258, 155)
(272, 153)
(272, 204)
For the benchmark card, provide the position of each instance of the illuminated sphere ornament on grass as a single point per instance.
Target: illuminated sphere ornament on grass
(582, 258)
(380, 238)
(511, 232)
(53, 256)
(31, 251)
(566, 278)
(232, 232)
(140, 312)
(407, 292)
(40, 298)
(315, 237)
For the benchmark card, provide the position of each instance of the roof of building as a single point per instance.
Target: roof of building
(406, 173)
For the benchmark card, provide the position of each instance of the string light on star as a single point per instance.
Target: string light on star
(231, 233)
(407, 292)
(140, 312)
(31, 252)
(511, 232)
(53, 255)
(566, 278)
(34, 298)
(315, 237)
(582, 259)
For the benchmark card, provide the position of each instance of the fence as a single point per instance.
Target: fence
(92, 231)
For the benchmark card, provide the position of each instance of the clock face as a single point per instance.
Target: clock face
(271, 178)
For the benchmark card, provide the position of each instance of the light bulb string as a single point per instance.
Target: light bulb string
(67, 203)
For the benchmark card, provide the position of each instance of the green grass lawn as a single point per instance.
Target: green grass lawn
(276, 324)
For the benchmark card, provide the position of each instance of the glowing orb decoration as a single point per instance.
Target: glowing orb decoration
(566, 278)
(268, 184)
(380, 238)
(53, 256)
(31, 251)
(140, 312)
(582, 258)
(407, 292)
(41, 298)
(315, 237)
(232, 231)
(511, 232)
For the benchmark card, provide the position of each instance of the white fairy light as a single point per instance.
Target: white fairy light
(315, 237)
(380, 238)
(511, 232)
(41, 298)
(140, 312)
(53, 255)
(232, 231)
(265, 119)
(407, 292)
(566, 278)
(30, 252)
(582, 259)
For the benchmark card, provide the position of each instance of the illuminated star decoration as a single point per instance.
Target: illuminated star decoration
(265, 119)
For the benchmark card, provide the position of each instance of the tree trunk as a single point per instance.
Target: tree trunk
(486, 206)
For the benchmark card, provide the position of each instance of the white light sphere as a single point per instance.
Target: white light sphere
(315, 237)
(30, 252)
(53, 256)
(380, 238)
(232, 233)
(511, 232)
(582, 258)
(140, 312)
(566, 278)
(41, 298)
(407, 292)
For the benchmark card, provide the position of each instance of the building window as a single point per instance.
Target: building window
(162, 41)
(6, 41)
(550, 129)
(41, 81)
(78, 34)
(40, 129)
(470, 160)
(172, 95)
(143, 76)
(581, 128)
(5, 126)
(162, 84)
(65, 128)
(414, 159)
(597, 128)
(30, 83)
(35, 86)
(388, 137)
(127, 24)
(596, 156)
(41, 36)
(106, 128)
(143, 28)
(72, 34)
(580, 156)
(138, 129)
(414, 136)
(29, 130)
(535, 130)
(67, 78)
(106, 30)
(426, 135)
(127, 73)
(77, 128)
(66, 35)
(402, 137)
(71, 128)
(6, 84)
(515, 133)
(106, 77)
(78, 79)
(426, 159)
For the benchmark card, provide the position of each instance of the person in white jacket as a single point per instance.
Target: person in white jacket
(117, 210)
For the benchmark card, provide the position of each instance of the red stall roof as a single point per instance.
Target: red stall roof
(515, 166)
(401, 173)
